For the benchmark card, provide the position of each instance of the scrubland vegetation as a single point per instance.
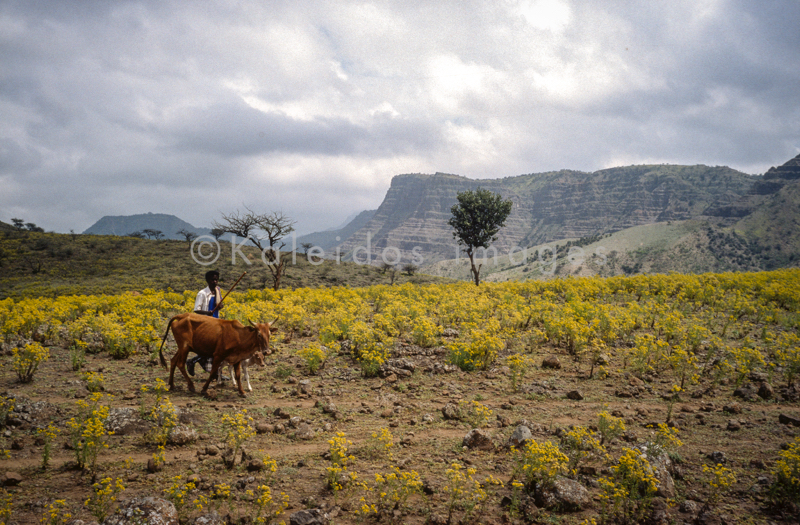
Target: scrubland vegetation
(649, 398)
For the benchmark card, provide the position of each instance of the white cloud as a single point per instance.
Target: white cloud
(110, 108)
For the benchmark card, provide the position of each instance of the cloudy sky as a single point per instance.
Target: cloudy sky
(199, 108)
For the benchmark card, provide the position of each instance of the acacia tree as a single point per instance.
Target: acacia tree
(477, 217)
(266, 231)
(188, 235)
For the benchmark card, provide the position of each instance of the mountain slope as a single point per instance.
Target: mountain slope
(547, 206)
(123, 225)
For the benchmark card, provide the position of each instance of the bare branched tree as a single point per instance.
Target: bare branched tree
(266, 231)
(188, 235)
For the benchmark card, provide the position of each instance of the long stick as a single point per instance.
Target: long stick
(226, 293)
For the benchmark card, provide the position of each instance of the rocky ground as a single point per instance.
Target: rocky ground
(416, 399)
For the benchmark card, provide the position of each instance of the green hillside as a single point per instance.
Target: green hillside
(50, 264)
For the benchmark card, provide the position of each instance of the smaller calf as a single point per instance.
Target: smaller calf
(255, 359)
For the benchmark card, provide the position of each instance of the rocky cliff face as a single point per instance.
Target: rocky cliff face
(412, 220)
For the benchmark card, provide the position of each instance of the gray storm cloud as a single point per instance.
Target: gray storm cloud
(112, 108)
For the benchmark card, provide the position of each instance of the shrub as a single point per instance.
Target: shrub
(609, 427)
(239, 430)
(474, 413)
(103, 496)
(425, 332)
(518, 365)
(480, 352)
(27, 360)
(786, 487)
(580, 443)
(313, 356)
(540, 463)
(720, 481)
(87, 431)
(628, 493)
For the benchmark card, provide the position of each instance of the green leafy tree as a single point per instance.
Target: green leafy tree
(476, 219)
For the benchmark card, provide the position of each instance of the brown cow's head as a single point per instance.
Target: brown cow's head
(264, 330)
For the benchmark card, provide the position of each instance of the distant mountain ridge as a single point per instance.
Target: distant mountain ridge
(123, 225)
(547, 206)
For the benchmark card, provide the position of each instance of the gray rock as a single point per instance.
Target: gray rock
(747, 392)
(733, 408)
(450, 332)
(765, 391)
(574, 395)
(11, 479)
(125, 421)
(551, 362)
(477, 439)
(690, 507)
(564, 494)
(212, 518)
(304, 432)
(308, 517)
(734, 425)
(450, 411)
(661, 465)
(264, 428)
(602, 360)
(520, 436)
(718, 457)
(182, 435)
(212, 450)
(789, 420)
(149, 510)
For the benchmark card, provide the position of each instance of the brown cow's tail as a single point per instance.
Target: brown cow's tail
(160, 355)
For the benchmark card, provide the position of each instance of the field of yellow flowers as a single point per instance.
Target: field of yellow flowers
(649, 398)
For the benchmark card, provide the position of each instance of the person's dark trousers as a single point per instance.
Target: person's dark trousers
(193, 361)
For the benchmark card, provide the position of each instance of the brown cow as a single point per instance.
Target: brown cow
(221, 340)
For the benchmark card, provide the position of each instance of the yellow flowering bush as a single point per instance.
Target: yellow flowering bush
(392, 490)
(269, 508)
(313, 356)
(628, 493)
(338, 448)
(88, 435)
(474, 413)
(580, 443)
(609, 427)
(27, 360)
(48, 434)
(178, 493)
(56, 513)
(6, 408)
(719, 480)
(425, 332)
(6, 505)
(786, 487)
(518, 366)
(238, 429)
(380, 444)
(104, 494)
(540, 463)
(464, 491)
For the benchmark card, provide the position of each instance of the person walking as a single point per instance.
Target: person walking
(208, 302)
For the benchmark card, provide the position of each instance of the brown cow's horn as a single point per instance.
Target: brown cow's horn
(275, 321)
(251, 323)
